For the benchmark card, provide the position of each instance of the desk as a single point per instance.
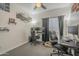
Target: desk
(70, 45)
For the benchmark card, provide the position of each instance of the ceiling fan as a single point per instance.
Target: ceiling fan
(39, 5)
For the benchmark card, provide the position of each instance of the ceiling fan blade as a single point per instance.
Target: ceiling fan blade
(35, 7)
(43, 6)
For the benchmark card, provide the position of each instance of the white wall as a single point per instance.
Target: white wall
(18, 33)
(74, 19)
(54, 13)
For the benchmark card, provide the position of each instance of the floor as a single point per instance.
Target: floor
(30, 50)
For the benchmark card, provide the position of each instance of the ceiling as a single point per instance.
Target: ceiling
(29, 7)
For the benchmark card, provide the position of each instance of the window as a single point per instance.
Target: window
(5, 7)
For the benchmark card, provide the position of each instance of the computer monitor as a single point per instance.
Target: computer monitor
(73, 30)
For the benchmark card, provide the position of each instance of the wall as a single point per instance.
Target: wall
(74, 19)
(54, 13)
(18, 33)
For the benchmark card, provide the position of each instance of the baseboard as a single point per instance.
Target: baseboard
(4, 52)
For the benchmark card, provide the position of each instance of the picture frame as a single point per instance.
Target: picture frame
(12, 21)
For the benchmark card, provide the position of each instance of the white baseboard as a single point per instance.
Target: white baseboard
(4, 52)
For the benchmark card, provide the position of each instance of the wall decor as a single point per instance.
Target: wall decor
(12, 21)
(4, 29)
(22, 17)
(5, 7)
(75, 7)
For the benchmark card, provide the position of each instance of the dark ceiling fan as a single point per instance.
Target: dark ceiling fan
(39, 5)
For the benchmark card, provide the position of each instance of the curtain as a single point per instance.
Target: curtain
(61, 19)
(45, 24)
